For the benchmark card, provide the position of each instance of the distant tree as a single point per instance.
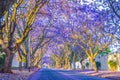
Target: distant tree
(61, 58)
(77, 54)
(37, 49)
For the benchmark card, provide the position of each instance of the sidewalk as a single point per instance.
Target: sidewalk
(17, 75)
(114, 75)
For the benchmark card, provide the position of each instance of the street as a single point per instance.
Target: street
(50, 74)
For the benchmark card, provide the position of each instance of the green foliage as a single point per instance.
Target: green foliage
(96, 49)
(71, 56)
(87, 64)
(74, 57)
(23, 59)
(113, 65)
(98, 64)
(2, 60)
(102, 53)
(0, 49)
(77, 58)
(106, 51)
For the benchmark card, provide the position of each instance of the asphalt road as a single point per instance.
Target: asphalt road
(50, 74)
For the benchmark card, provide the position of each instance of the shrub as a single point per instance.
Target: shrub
(112, 64)
(87, 64)
(98, 64)
(2, 59)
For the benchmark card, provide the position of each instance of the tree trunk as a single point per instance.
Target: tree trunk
(26, 66)
(94, 65)
(20, 65)
(8, 56)
(11, 59)
(7, 64)
(68, 65)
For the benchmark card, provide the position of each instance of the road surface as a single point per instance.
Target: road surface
(50, 74)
